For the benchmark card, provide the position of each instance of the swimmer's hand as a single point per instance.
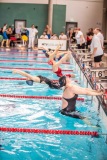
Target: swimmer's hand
(72, 76)
(14, 71)
(101, 92)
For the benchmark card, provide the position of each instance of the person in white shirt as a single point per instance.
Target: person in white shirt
(32, 32)
(44, 36)
(4, 27)
(62, 36)
(97, 31)
(80, 39)
(54, 37)
(96, 49)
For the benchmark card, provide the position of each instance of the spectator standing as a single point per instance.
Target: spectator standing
(36, 36)
(80, 39)
(48, 31)
(32, 32)
(97, 31)
(5, 37)
(90, 31)
(9, 33)
(96, 50)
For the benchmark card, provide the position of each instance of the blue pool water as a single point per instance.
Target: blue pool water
(44, 114)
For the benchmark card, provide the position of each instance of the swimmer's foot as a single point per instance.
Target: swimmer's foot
(87, 121)
(34, 48)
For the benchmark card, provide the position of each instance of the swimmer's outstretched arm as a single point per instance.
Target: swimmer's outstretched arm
(86, 91)
(28, 76)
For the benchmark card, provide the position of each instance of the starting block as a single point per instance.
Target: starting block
(80, 50)
(83, 55)
(87, 62)
(98, 72)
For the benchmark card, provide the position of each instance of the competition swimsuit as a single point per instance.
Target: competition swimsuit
(59, 73)
(51, 84)
(70, 109)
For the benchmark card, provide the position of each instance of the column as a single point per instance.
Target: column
(50, 12)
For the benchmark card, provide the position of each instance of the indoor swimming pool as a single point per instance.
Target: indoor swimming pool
(44, 114)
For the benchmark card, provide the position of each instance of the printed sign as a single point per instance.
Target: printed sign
(52, 44)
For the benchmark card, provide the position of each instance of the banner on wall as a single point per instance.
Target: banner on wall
(52, 44)
(19, 24)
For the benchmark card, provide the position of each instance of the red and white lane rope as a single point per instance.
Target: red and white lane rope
(47, 69)
(6, 78)
(49, 131)
(25, 52)
(23, 56)
(35, 97)
(27, 61)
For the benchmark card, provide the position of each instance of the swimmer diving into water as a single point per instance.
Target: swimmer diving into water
(55, 66)
(56, 54)
(70, 92)
(38, 79)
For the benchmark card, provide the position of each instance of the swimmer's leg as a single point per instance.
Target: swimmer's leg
(87, 121)
(42, 48)
(28, 76)
(62, 53)
(76, 114)
(63, 59)
(51, 56)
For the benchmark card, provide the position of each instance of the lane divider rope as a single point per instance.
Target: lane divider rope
(27, 61)
(27, 52)
(23, 56)
(36, 97)
(6, 78)
(49, 131)
(47, 69)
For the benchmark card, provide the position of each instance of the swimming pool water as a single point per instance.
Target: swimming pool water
(44, 114)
